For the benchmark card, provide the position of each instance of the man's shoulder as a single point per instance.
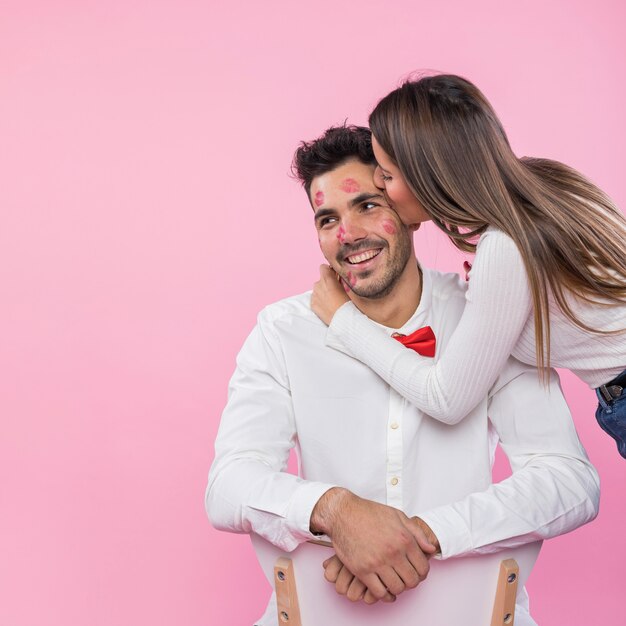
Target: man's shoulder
(445, 285)
(298, 306)
(444, 295)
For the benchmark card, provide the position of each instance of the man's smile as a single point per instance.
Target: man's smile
(362, 257)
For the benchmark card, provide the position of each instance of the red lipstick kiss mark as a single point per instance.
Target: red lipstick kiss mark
(319, 198)
(341, 234)
(349, 185)
(389, 227)
(351, 279)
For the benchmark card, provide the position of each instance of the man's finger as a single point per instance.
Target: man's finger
(391, 580)
(409, 575)
(332, 567)
(344, 579)
(356, 590)
(419, 561)
(326, 271)
(370, 598)
(375, 586)
(420, 537)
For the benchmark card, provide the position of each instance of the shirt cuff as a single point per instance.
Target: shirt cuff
(354, 334)
(450, 529)
(301, 507)
(340, 325)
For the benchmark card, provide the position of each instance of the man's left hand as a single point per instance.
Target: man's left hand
(347, 584)
(329, 293)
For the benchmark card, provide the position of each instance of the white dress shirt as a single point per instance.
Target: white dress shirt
(350, 429)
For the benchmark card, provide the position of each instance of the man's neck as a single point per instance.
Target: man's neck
(396, 308)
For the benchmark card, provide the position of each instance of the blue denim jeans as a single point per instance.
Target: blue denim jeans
(612, 419)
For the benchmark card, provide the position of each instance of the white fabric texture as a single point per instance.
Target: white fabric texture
(350, 429)
(497, 322)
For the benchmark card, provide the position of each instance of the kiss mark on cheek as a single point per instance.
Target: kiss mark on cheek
(319, 198)
(351, 279)
(349, 185)
(389, 227)
(341, 234)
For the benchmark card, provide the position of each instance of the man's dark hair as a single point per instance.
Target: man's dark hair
(336, 146)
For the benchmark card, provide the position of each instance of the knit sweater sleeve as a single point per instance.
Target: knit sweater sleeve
(498, 303)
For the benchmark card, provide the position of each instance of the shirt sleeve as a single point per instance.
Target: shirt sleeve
(553, 488)
(498, 304)
(248, 488)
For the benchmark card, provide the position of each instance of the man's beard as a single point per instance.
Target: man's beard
(391, 273)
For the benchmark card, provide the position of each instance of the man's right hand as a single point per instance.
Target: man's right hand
(380, 545)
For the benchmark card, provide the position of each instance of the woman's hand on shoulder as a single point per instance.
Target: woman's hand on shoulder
(329, 293)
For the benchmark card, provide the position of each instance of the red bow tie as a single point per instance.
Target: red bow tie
(422, 341)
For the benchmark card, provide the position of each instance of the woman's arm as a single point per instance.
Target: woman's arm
(498, 305)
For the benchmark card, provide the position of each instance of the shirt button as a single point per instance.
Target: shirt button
(394, 425)
(394, 481)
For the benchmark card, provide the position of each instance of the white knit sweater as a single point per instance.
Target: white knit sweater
(498, 321)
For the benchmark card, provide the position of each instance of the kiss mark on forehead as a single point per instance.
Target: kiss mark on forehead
(319, 198)
(389, 227)
(341, 234)
(349, 185)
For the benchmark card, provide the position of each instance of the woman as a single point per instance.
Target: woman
(548, 283)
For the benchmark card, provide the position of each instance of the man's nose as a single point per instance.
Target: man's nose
(351, 231)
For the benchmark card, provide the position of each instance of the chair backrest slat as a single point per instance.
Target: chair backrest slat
(457, 591)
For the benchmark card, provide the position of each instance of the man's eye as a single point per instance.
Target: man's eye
(369, 205)
(326, 220)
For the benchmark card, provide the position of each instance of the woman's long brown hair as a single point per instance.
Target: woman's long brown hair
(454, 154)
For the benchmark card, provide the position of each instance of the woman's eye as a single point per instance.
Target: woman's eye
(385, 178)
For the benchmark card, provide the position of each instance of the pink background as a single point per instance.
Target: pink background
(147, 215)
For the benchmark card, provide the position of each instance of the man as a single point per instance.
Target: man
(386, 483)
